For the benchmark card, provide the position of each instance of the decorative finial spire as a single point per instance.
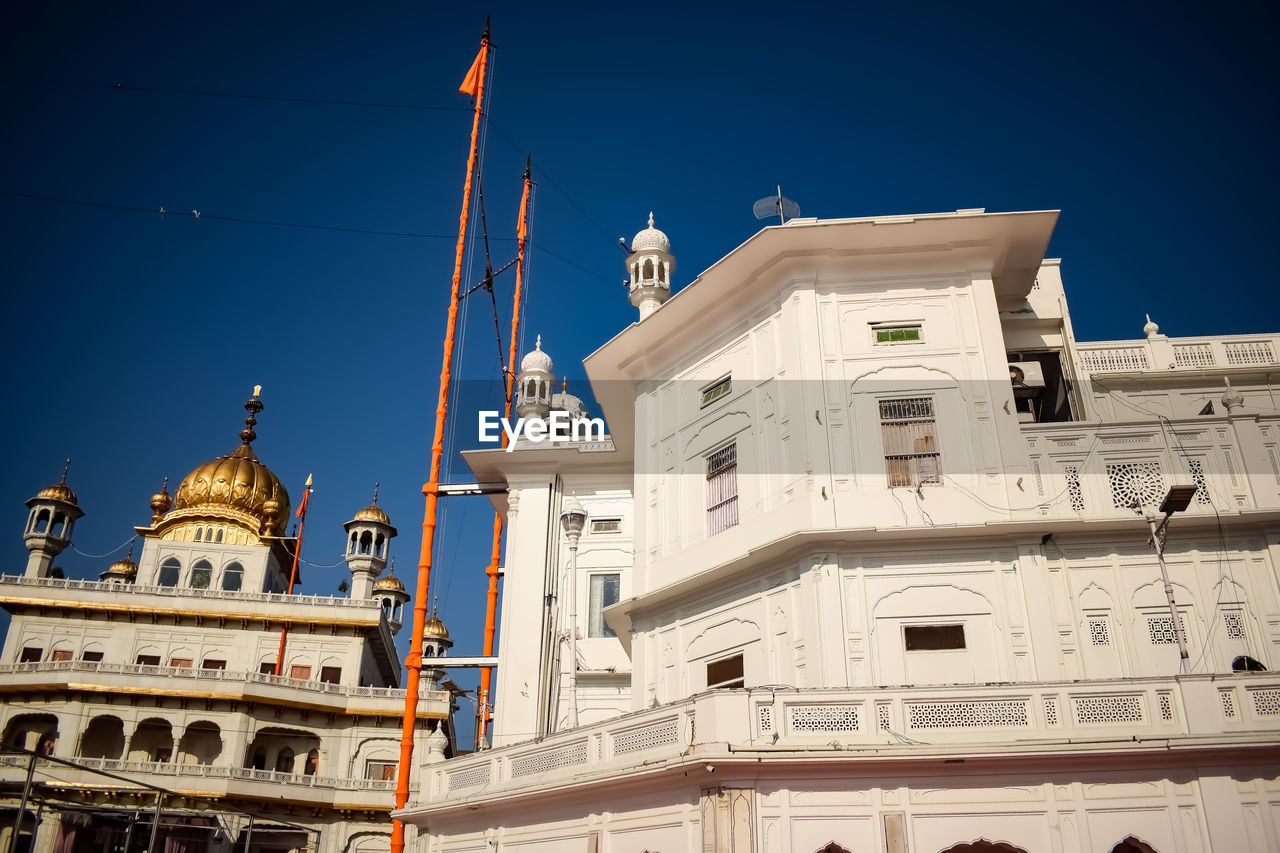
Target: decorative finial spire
(253, 405)
(564, 385)
(65, 468)
(1150, 329)
(392, 571)
(537, 345)
(1231, 398)
(375, 493)
(651, 219)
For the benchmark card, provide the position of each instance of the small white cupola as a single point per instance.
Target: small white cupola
(369, 536)
(650, 265)
(53, 513)
(534, 384)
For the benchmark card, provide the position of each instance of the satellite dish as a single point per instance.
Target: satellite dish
(779, 206)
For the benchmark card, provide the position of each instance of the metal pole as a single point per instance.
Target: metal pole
(128, 833)
(155, 824)
(1157, 528)
(22, 804)
(248, 835)
(573, 631)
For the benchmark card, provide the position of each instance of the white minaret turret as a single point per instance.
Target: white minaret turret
(391, 595)
(534, 384)
(435, 644)
(53, 512)
(368, 542)
(650, 265)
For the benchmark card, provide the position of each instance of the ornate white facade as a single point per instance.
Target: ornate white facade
(164, 673)
(866, 568)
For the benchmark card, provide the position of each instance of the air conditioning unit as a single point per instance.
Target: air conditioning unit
(1027, 378)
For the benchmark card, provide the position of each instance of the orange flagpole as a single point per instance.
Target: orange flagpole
(293, 573)
(431, 489)
(483, 716)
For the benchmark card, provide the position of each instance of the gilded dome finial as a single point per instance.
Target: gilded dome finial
(65, 468)
(375, 492)
(161, 503)
(253, 406)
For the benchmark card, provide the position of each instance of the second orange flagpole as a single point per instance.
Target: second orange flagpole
(483, 715)
(473, 85)
(293, 574)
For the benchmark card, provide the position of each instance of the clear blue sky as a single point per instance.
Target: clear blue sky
(130, 340)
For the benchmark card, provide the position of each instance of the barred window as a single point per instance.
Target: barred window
(722, 489)
(715, 391)
(909, 432)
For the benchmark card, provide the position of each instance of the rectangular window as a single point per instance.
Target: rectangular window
(91, 657)
(725, 673)
(910, 442)
(302, 673)
(181, 663)
(1160, 630)
(331, 674)
(603, 593)
(148, 660)
(60, 654)
(715, 391)
(896, 333)
(383, 770)
(606, 525)
(933, 638)
(267, 667)
(210, 663)
(722, 489)
(31, 654)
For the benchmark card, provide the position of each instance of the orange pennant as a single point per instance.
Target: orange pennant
(471, 83)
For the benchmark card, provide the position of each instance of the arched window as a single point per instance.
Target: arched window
(199, 533)
(169, 571)
(313, 762)
(259, 761)
(284, 761)
(380, 545)
(366, 542)
(219, 539)
(648, 270)
(662, 272)
(351, 549)
(201, 575)
(59, 524)
(42, 521)
(233, 577)
(635, 270)
(386, 608)
(1244, 663)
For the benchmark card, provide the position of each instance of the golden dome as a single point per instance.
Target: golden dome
(390, 582)
(58, 492)
(238, 487)
(435, 629)
(373, 512)
(125, 568)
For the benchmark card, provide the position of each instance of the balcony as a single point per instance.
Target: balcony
(1096, 470)
(222, 684)
(1164, 355)
(205, 780)
(901, 724)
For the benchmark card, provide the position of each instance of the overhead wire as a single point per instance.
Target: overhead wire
(128, 541)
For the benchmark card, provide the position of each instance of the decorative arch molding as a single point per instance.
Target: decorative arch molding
(1094, 597)
(721, 428)
(916, 601)
(1152, 595)
(983, 845)
(367, 841)
(832, 847)
(730, 634)
(923, 379)
(1133, 844)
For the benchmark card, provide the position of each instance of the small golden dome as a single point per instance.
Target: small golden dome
(390, 582)
(161, 502)
(435, 629)
(58, 492)
(373, 512)
(234, 486)
(125, 568)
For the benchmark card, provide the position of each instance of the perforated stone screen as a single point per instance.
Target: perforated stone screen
(980, 713)
(823, 719)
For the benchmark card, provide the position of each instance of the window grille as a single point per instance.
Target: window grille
(824, 719)
(302, 673)
(549, 759)
(1266, 703)
(646, 737)
(722, 489)
(1074, 492)
(1166, 707)
(910, 441)
(469, 777)
(1160, 629)
(1109, 709)
(1196, 467)
(715, 391)
(1099, 631)
(882, 716)
(606, 525)
(1051, 711)
(603, 593)
(1228, 699)
(1234, 620)
(977, 714)
(766, 718)
(1135, 485)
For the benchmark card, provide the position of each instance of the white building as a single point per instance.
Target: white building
(866, 568)
(164, 673)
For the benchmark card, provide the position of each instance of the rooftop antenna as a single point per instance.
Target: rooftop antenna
(779, 206)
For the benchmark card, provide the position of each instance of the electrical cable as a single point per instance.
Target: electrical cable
(128, 541)
(244, 96)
